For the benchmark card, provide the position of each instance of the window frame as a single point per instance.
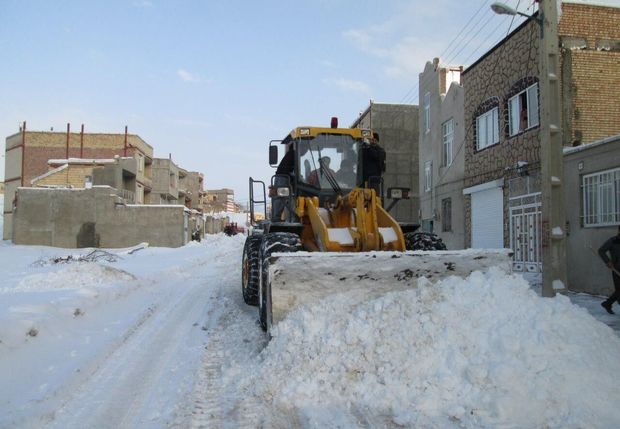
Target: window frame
(427, 112)
(447, 143)
(446, 214)
(531, 94)
(428, 176)
(600, 195)
(493, 114)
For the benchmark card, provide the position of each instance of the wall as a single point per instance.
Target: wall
(162, 169)
(93, 218)
(397, 126)
(586, 271)
(590, 74)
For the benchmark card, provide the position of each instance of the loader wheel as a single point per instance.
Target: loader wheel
(423, 241)
(250, 265)
(272, 243)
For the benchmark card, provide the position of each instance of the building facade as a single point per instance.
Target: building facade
(592, 201)
(165, 182)
(397, 126)
(219, 200)
(502, 144)
(441, 166)
(28, 153)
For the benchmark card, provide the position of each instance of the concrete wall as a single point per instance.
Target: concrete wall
(586, 271)
(93, 218)
(447, 181)
(397, 126)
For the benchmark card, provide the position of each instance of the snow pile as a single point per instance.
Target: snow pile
(75, 276)
(484, 351)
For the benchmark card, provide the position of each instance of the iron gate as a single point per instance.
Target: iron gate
(525, 233)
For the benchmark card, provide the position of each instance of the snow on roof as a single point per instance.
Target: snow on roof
(87, 160)
(570, 150)
(49, 173)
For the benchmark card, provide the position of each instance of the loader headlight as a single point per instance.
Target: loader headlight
(279, 192)
(366, 133)
(304, 131)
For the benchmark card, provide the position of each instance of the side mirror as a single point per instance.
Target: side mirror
(273, 155)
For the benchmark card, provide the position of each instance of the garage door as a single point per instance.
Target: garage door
(487, 213)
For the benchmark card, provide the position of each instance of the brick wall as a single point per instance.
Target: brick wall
(72, 175)
(591, 77)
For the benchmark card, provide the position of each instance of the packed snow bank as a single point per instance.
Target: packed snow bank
(484, 351)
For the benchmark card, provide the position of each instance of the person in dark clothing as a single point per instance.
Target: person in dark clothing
(373, 163)
(284, 171)
(612, 246)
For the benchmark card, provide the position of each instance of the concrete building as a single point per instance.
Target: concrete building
(502, 143)
(28, 153)
(219, 200)
(397, 126)
(191, 188)
(95, 217)
(441, 165)
(165, 182)
(592, 184)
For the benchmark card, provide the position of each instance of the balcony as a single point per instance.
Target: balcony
(128, 196)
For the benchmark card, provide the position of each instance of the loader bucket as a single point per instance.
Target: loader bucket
(308, 277)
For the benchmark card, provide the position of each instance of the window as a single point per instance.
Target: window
(428, 175)
(140, 162)
(523, 110)
(601, 198)
(447, 130)
(487, 128)
(446, 215)
(427, 112)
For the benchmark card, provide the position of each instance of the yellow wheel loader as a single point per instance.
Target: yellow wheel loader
(324, 212)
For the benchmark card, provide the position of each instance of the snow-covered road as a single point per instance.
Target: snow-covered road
(142, 358)
(162, 338)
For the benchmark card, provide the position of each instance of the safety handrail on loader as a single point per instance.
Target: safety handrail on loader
(253, 201)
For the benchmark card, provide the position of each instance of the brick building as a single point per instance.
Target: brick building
(191, 188)
(28, 153)
(219, 200)
(502, 142)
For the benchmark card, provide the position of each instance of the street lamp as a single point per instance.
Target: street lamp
(503, 9)
(551, 156)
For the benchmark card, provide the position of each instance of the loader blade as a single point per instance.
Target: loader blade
(307, 277)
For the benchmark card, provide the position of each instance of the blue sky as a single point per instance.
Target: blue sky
(211, 82)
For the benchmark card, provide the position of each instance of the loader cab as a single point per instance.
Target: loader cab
(327, 165)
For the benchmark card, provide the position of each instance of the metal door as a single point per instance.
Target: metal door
(525, 234)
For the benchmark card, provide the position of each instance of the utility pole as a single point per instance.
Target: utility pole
(551, 154)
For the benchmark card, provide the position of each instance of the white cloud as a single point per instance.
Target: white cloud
(187, 76)
(349, 85)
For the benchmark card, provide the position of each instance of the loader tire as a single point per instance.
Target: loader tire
(423, 241)
(272, 242)
(250, 269)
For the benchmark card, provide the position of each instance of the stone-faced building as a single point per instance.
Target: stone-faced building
(502, 143)
(441, 164)
(28, 153)
(502, 168)
(397, 126)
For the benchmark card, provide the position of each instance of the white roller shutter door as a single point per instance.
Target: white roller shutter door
(487, 219)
